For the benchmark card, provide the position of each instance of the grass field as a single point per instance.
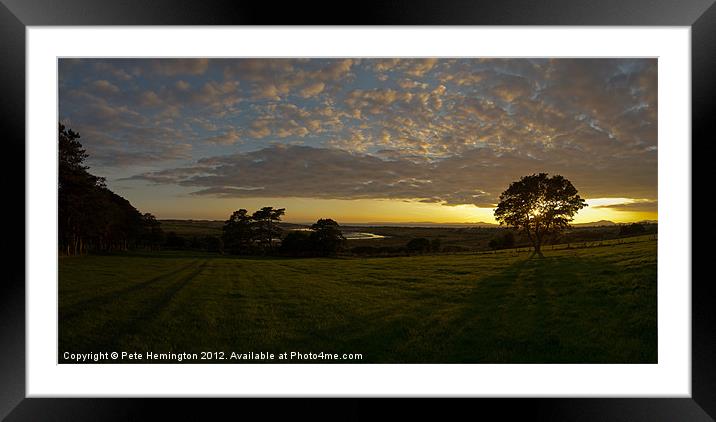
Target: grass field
(585, 305)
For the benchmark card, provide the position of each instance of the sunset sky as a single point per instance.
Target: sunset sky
(365, 140)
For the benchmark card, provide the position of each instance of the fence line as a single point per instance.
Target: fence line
(575, 245)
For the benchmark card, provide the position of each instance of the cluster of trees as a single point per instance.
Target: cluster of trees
(245, 234)
(633, 229)
(203, 243)
(92, 217)
(416, 246)
(504, 241)
(592, 234)
(378, 250)
(323, 239)
(260, 233)
(422, 245)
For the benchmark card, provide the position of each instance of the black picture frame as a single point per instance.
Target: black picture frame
(16, 15)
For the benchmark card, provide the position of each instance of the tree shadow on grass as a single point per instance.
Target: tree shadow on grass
(559, 310)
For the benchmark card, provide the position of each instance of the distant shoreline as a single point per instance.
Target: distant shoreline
(600, 223)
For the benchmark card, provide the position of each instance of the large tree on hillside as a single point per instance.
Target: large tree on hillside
(539, 206)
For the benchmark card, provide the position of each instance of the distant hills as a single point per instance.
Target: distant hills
(600, 223)
(596, 224)
(425, 224)
(419, 224)
(610, 223)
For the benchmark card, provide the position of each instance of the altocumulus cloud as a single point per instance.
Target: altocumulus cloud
(451, 131)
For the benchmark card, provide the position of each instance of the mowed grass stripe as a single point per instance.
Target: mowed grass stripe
(71, 310)
(111, 321)
(575, 305)
(153, 319)
(104, 275)
(197, 308)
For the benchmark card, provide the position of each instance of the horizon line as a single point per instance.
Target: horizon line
(413, 222)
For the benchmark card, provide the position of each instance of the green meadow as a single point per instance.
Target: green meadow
(586, 305)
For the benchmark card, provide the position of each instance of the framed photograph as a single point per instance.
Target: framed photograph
(481, 202)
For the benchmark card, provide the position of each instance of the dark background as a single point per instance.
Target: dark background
(15, 15)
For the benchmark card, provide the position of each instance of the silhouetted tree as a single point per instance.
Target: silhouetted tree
(91, 217)
(214, 244)
(364, 250)
(195, 243)
(297, 243)
(71, 154)
(266, 223)
(632, 229)
(174, 241)
(122, 225)
(419, 245)
(435, 245)
(455, 249)
(504, 241)
(75, 187)
(153, 233)
(326, 237)
(238, 232)
(494, 243)
(539, 205)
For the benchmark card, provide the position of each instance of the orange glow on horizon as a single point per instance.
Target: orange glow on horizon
(303, 210)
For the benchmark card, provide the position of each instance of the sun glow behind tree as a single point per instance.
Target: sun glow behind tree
(540, 206)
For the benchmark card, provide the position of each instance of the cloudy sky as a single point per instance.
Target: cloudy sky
(365, 140)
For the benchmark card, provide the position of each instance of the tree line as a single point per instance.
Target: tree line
(92, 218)
(259, 233)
